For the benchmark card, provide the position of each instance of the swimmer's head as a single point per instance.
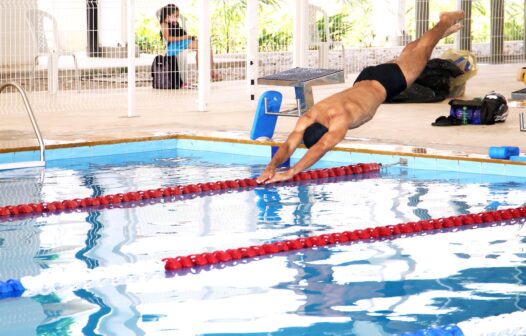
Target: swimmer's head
(313, 134)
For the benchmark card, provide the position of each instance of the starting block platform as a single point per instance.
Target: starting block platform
(519, 95)
(302, 80)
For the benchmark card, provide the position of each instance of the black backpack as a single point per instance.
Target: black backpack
(432, 85)
(165, 73)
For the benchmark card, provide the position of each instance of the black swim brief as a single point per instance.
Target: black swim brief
(313, 134)
(389, 75)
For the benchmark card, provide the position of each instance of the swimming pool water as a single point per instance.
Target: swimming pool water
(372, 288)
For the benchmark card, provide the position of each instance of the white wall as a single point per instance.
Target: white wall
(112, 23)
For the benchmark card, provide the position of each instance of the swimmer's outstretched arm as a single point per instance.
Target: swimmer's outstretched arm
(286, 149)
(328, 141)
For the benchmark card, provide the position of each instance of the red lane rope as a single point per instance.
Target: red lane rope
(56, 207)
(389, 231)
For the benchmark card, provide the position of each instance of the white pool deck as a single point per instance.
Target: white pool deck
(395, 127)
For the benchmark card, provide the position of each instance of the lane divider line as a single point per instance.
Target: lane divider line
(117, 200)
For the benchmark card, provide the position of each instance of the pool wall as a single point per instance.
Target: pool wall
(251, 148)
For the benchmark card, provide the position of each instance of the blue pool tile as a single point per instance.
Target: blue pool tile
(62, 153)
(211, 146)
(447, 165)
(470, 167)
(111, 149)
(337, 156)
(360, 157)
(26, 156)
(7, 158)
(424, 163)
(253, 150)
(493, 168)
(224, 147)
(186, 144)
(516, 170)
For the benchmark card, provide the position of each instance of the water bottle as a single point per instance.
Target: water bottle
(464, 115)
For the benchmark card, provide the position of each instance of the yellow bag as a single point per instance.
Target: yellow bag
(467, 62)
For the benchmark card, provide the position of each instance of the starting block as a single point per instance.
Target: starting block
(266, 115)
(302, 80)
(520, 95)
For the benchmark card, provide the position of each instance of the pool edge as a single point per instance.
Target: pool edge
(340, 153)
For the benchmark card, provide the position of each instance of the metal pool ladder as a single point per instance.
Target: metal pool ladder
(29, 110)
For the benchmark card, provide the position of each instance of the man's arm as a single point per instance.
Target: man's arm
(287, 148)
(328, 141)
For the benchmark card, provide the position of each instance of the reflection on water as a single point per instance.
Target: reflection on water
(20, 239)
(377, 288)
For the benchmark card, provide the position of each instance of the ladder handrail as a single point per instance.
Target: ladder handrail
(31, 115)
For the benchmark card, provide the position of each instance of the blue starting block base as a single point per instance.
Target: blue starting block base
(264, 123)
(273, 151)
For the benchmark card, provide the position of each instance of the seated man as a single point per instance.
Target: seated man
(327, 122)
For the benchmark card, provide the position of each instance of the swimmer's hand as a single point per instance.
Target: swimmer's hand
(279, 177)
(266, 175)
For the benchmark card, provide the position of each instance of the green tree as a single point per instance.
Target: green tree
(228, 16)
(513, 20)
(275, 26)
(147, 35)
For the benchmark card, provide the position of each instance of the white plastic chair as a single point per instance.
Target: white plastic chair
(45, 36)
(323, 41)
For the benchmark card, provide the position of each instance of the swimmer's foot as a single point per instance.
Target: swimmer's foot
(453, 29)
(452, 19)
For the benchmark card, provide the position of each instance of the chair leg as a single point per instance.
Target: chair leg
(183, 66)
(77, 73)
(32, 79)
